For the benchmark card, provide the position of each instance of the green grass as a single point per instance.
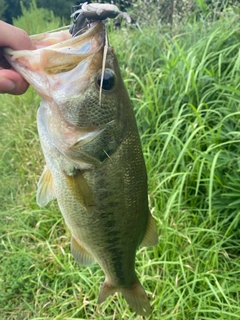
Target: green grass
(185, 90)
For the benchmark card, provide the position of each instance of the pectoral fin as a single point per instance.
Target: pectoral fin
(80, 254)
(80, 190)
(151, 235)
(45, 191)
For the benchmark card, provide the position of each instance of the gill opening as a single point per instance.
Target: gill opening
(103, 67)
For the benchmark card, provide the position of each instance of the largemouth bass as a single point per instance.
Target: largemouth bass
(94, 162)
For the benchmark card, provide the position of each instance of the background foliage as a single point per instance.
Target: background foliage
(166, 11)
(183, 79)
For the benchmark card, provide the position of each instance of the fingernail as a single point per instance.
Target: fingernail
(6, 85)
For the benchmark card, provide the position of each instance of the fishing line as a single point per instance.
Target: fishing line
(103, 66)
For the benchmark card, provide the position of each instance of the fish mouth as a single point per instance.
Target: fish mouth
(60, 58)
(62, 69)
(67, 54)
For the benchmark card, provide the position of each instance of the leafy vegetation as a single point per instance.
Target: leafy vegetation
(166, 11)
(35, 20)
(12, 9)
(185, 89)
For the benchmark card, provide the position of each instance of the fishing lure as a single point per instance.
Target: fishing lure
(90, 12)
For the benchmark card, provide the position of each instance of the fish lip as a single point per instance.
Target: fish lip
(96, 31)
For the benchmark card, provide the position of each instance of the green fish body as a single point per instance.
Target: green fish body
(94, 162)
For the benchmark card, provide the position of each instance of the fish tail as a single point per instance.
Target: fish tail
(135, 296)
(137, 299)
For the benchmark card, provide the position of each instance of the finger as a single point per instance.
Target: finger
(14, 37)
(12, 82)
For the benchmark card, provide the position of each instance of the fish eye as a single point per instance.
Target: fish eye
(109, 80)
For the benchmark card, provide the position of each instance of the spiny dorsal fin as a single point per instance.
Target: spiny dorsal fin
(80, 254)
(151, 236)
(45, 191)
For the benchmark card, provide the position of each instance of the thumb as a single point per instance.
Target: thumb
(12, 82)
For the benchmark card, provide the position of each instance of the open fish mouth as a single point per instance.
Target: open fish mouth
(62, 68)
(60, 57)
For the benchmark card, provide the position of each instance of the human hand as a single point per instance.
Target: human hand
(10, 80)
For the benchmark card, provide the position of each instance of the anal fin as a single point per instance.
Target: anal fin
(82, 256)
(45, 191)
(151, 235)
